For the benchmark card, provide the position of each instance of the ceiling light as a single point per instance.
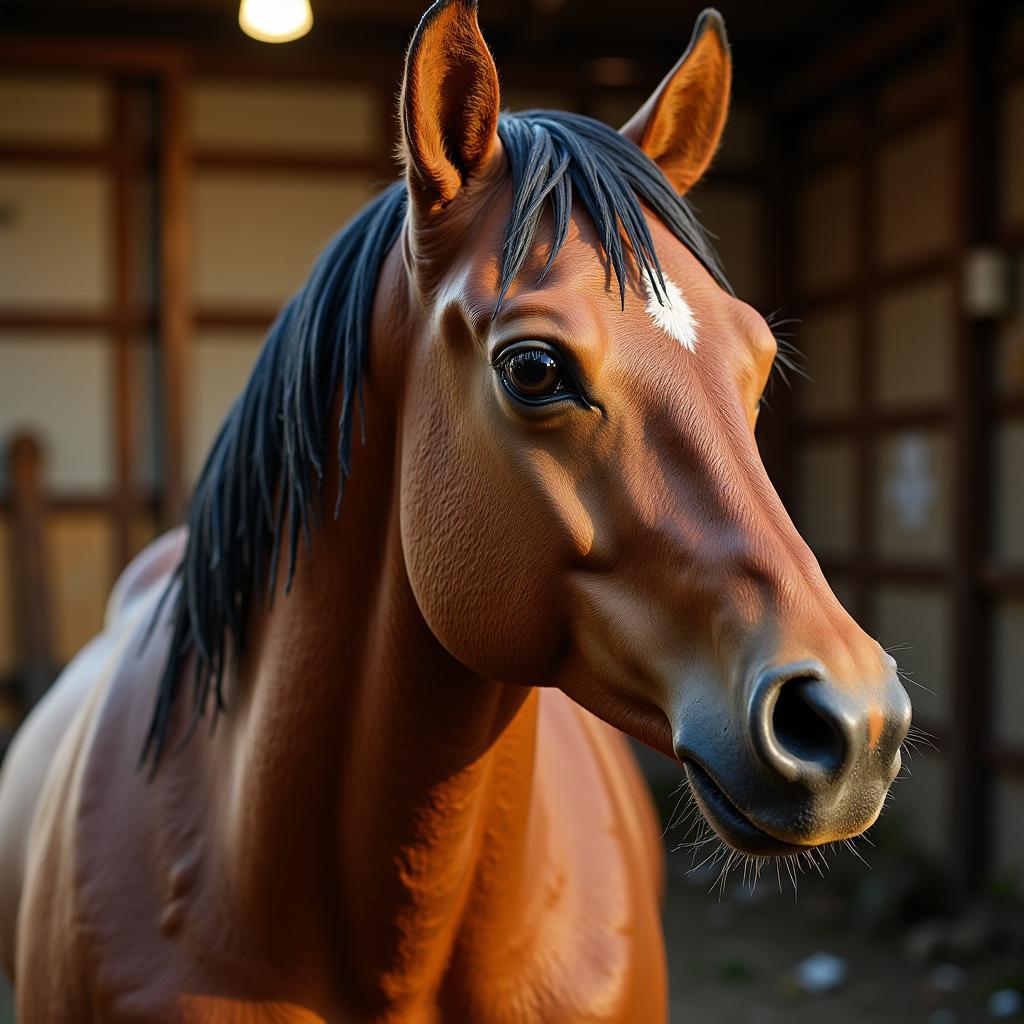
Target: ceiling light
(275, 21)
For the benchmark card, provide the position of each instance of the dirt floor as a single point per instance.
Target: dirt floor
(734, 959)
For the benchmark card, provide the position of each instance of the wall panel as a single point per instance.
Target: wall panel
(58, 387)
(221, 364)
(80, 548)
(1009, 832)
(521, 97)
(1012, 138)
(837, 129)
(920, 809)
(257, 235)
(913, 506)
(912, 89)
(915, 195)
(826, 499)
(827, 340)
(1008, 364)
(733, 216)
(742, 145)
(70, 110)
(827, 229)
(8, 650)
(1008, 499)
(915, 345)
(844, 588)
(322, 117)
(915, 624)
(54, 244)
(1008, 671)
(147, 427)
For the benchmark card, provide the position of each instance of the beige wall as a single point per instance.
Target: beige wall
(910, 320)
(912, 317)
(255, 233)
(55, 248)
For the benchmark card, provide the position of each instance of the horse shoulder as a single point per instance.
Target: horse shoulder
(41, 778)
(152, 566)
(618, 775)
(612, 854)
(37, 766)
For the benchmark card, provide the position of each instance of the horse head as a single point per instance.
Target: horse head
(583, 504)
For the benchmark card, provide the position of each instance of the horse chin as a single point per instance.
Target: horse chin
(731, 825)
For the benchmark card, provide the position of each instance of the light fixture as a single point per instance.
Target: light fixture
(275, 21)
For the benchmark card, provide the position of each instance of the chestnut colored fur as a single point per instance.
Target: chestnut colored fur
(417, 805)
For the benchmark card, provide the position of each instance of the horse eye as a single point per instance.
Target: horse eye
(534, 374)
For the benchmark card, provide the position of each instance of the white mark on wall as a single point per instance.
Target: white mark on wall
(911, 489)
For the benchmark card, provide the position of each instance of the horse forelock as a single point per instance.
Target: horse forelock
(261, 487)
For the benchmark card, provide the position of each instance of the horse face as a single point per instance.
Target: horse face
(583, 505)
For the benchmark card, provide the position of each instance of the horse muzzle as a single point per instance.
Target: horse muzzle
(808, 762)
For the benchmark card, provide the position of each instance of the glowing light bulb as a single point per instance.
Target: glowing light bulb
(275, 21)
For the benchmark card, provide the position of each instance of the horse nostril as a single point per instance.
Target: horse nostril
(799, 728)
(802, 728)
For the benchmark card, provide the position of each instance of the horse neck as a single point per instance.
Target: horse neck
(366, 762)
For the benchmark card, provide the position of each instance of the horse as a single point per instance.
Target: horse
(350, 746)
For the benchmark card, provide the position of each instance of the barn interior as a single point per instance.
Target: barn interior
(166, 182)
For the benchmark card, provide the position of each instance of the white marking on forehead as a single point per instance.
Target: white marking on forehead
(673, 314)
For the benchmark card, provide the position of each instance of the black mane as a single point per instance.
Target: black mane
(262, 483)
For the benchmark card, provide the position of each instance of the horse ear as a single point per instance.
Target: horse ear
(680, 125)
(450, 100)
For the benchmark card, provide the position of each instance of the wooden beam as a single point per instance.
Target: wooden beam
(230, 318)
(86, 504)
(775, 433)
(1008, 406)
(867, 338)
(31, 574)
(921, 268)
(124, 259)
(50, 153)
(89, 55)
(893, 129)
(1007, 761)
(175, 299)
(1012, 234)
(280, 162)
(972, 40)
(913, 418)
(1001, 580)
(78, 321)
(876, 571)
(46, 319)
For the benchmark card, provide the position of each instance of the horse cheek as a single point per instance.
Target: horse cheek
(477, 554)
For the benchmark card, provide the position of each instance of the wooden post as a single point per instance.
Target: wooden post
(124, 258)
(30, 569)
(175, 300)
(972, 42)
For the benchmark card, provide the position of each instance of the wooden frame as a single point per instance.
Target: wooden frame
(967, 35)
(123, 65)
(168, 70)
